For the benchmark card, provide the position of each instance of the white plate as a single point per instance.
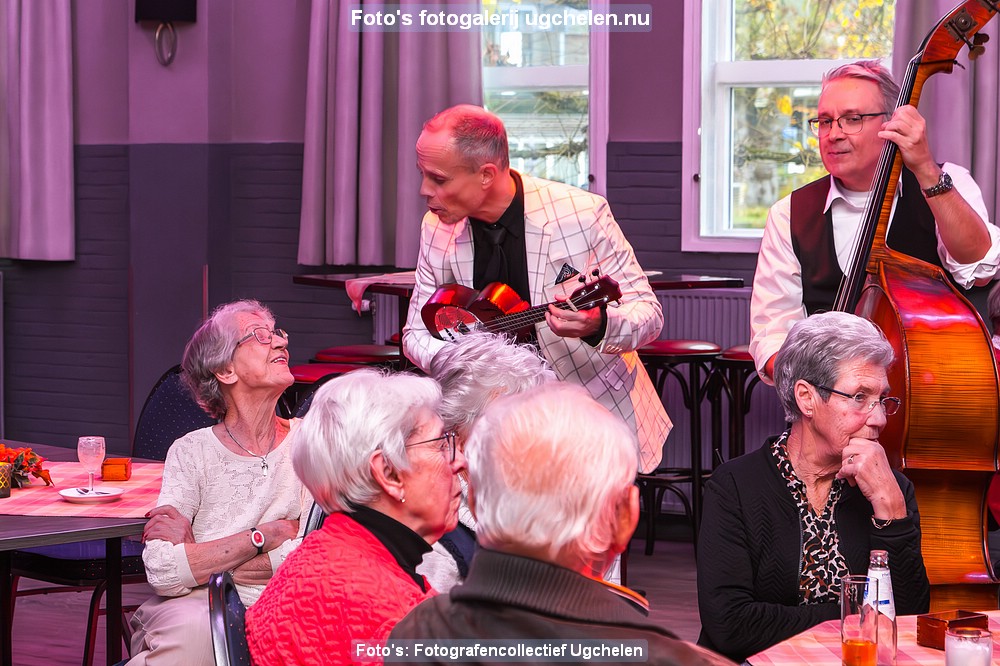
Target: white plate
(652, 273)
(100, 495)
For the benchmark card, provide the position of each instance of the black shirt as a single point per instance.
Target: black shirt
(404, 544)
(513, 245)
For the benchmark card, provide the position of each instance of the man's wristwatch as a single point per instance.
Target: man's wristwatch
(257, 539)
(944, 184)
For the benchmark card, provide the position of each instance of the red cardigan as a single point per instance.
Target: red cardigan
(339, 585)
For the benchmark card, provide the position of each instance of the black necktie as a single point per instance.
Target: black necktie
(496, 267)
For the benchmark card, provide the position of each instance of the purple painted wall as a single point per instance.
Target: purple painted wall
(240, 71)
(647, 78)
(239, 75)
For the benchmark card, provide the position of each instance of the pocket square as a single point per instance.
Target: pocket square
(567, 272)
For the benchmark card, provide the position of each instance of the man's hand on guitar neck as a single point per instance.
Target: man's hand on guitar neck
(568, 323)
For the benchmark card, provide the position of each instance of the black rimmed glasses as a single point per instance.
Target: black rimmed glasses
(264, 335)
(850, 123)
(449, 444)
(864, 401)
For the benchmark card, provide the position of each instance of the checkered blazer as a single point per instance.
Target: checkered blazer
(563, 225)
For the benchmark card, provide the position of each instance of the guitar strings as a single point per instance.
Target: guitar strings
(516, 320)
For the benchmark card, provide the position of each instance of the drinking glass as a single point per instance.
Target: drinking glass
(858, 621)
(90, 451)
(968, 647)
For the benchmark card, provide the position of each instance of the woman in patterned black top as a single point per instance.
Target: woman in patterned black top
(784, 523)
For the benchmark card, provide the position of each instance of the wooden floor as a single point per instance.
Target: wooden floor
(667, 577)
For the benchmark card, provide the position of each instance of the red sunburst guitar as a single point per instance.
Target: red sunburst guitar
(454, 310)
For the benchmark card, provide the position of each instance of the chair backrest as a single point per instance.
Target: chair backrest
(227, 615)
(169, 412)
(316, 517)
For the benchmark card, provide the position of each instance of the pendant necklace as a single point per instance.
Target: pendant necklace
(263, 458)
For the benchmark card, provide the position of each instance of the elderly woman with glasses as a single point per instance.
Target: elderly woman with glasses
(230, 499)
(784, 523)
(374, 454)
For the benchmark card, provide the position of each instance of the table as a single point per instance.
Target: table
(17, 532)
(403, 288)
(820, 646)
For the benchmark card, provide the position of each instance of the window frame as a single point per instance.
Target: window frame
(705, 151)
(594, 75)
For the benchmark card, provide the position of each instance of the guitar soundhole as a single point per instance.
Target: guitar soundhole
(452, 323)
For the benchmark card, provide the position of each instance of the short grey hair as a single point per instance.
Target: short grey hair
(549, 468)
(479, 136)
(993, 308)
(350, 418)
(818, 346)
(211, 349)
(869, 70)
(480, 367)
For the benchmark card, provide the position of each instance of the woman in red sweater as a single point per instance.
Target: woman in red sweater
(372, 452)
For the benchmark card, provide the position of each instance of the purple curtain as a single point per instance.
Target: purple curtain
(962, 108)
(368, 95)
(36, 137)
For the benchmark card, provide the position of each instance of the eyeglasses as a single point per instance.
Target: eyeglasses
(449, 446)
(852, 123)
(864, 402)
(263, 335)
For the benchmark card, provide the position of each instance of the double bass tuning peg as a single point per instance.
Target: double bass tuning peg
(975, 45)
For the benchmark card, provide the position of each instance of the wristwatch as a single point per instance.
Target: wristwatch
(943, 185)
(257, 539)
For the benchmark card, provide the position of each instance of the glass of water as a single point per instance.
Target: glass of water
(90, 451)
(968, 647)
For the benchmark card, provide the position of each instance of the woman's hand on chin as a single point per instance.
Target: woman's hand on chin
(864, 464)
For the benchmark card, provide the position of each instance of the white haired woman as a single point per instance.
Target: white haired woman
(784, 523)
(230, 499)
(474, 371)
(373, 452)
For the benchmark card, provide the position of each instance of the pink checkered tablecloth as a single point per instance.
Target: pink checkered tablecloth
(820, 646)
(141, 492)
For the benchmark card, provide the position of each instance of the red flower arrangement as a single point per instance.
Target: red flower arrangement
(25, 461)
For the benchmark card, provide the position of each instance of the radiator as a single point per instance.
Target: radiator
(721, 316)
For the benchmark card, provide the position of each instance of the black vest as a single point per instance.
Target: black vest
(912, 233)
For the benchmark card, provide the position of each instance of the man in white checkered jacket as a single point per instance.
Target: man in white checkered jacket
(487, 223)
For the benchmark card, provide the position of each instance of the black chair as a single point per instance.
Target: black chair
(315, 520)
(227, 615)
(168, 413)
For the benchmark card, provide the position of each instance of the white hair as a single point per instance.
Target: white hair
(480, 367)
(352, 417)
(993, 308)
(816, 350)
(549, 469)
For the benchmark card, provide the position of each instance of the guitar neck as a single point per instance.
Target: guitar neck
(509, 323)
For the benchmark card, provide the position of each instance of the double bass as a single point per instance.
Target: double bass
(945, 436)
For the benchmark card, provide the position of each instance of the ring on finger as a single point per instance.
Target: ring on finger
(850, 459)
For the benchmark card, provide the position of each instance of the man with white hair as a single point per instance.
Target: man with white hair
(552, 477)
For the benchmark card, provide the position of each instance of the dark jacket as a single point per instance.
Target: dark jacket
(517, 598)
(750, 550)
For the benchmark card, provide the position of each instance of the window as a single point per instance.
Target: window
(544, 85)
(753, 79)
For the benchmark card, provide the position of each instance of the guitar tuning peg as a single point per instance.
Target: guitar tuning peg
(582, 279)
(596, 272)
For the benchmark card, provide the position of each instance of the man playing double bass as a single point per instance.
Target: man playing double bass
(487, 223)
(938, 214)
